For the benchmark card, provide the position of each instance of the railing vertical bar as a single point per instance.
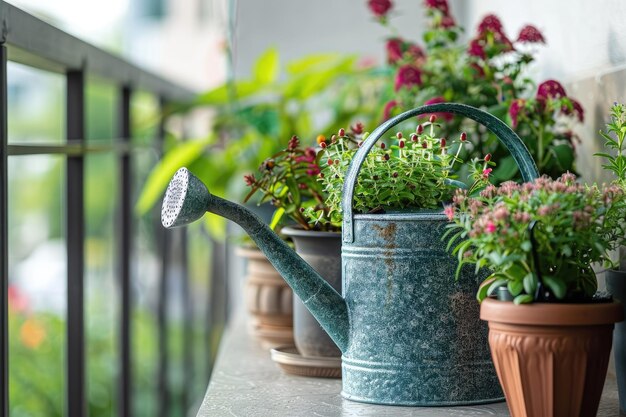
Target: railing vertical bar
(4, 240)
(164, 255)
(124, 256)
(75, 233)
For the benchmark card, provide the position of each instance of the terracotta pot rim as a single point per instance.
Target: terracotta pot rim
(295, 231)
(551, 314)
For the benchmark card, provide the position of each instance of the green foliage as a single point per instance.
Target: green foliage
(576, 226)
(488, 72)
(288, 180)
(417, 171)
(254, 117)
(614, 136)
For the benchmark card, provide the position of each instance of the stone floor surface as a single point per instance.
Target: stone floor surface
(247, 383)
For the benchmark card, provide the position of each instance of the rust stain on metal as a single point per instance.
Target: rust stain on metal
(388, 233)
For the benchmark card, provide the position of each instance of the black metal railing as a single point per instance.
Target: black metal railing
(32, 42)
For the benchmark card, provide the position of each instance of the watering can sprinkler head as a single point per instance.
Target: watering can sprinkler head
(186, 200)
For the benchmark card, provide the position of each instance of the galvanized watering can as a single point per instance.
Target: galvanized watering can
(409, 332)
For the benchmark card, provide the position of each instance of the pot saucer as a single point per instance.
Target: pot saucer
(288, 358)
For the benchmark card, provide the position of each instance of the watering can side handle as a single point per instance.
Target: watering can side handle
(505, 134)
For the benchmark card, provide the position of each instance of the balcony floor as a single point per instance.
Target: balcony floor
(246, 382)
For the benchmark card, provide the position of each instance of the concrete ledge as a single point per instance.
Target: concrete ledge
(246, 383)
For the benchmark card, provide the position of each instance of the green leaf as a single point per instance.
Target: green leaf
(604, 155)
(564, 155)
(229, 92)
(515, 287)
(523, 299)
(158, 179)
(309, 62)
(266, 68)
(558, 287)
(276, 217)
(484, 287)
(530, 283)
(497, 283)
(566, 251)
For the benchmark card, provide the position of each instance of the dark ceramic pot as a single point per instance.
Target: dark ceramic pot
(321, 250)
(616, 285)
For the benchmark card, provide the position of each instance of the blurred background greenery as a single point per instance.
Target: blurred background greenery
(37, 263)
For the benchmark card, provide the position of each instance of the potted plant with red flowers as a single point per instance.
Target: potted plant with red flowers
(289, 181)
(551, 343)
(615, 137)
(489, 71)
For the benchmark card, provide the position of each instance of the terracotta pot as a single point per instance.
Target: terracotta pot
(268, 299)
(551, 359)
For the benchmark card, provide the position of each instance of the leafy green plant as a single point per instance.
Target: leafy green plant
(576, 226)
(617, 127)
(487, 72)
(418, 170)
(288, 180)
(318, 92)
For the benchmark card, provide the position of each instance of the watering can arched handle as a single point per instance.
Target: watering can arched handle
(505, 134)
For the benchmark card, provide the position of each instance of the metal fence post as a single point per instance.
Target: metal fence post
(124, 256)
(4, 240)
(76, 405)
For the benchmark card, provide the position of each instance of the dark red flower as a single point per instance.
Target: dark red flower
(550, 89)
(436, 100)
(249, 179)
(441, 5)
(313, 170)
(530, 34)
(577, 109)
(490, 23)
(293, 143)
(514, 110)
(447, 22)
(394, 50)
(379, 7)
(357, 128)
(415, 52)
(407, 76)
(388, 108)
(476, 49)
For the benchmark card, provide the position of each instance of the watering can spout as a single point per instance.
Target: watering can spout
(187, 199)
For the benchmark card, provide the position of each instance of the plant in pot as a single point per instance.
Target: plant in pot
(551, 343)
(487, 69)
(288, 180)
(615, 136)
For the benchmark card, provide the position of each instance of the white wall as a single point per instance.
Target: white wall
(300, 27)
(586, 50)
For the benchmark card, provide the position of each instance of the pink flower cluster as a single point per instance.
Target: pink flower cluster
(497, 208)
